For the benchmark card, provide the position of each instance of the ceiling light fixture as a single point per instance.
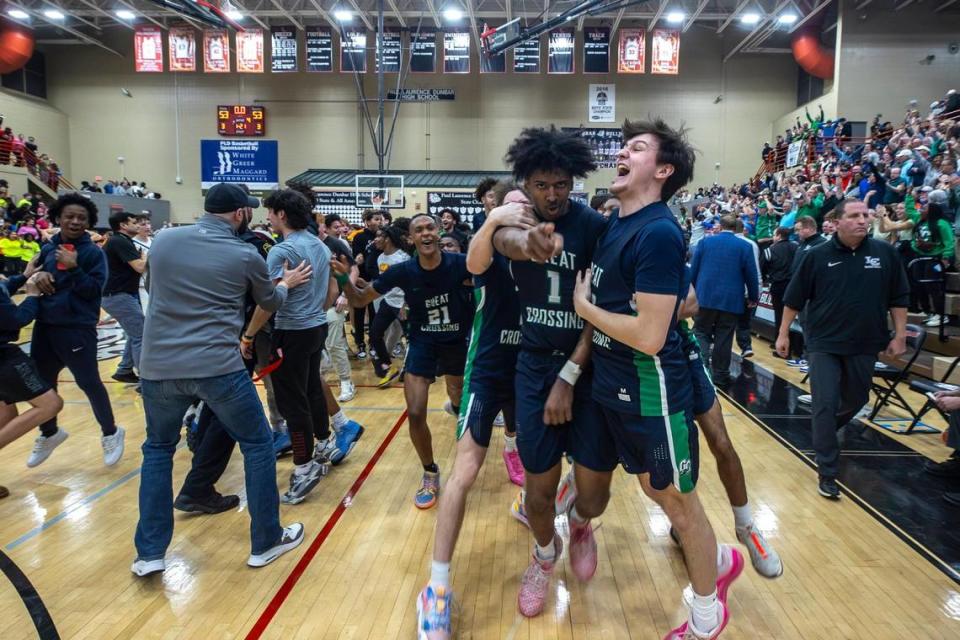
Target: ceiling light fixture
(126, 14)
(53, 14)
(787, 18)
(17, 14)
(452, 14)
(750, 18)
(342, 15)
(675, 17)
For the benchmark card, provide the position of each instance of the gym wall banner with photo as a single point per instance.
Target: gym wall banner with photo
(183, 49)
(665, 52)
(463, 202)
(602, 103)
(148, 49)
(631, 54)
(250, 51)
(254, 163)
(216, 51)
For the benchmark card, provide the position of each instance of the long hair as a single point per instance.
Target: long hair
(934, 216)
(539, 149)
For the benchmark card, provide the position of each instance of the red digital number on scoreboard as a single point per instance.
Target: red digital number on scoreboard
(241, 120)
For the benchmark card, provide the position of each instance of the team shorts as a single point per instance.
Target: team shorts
(541, 446)
(479, 407)
(666, 447)
(429, 360)
(704, 393)
(19, 379)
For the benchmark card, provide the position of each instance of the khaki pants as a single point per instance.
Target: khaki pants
(336, 344)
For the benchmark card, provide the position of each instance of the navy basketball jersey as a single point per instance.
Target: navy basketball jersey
(548, 320)
(643, 252)
(495, 337)
(440, 311)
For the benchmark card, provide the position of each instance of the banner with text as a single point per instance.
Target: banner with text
(353, 51)
(148, 49)
(605, 143)
(596, 49)
(183, 49)
(319, 45)
(283, 50)
(423, 51)
(794, 153)
(343, 203)
(216, 51)
(456, 52)
(392, 48)
(560, 51)
(254, 163)
(250, 51)
(526, 57)
(423, 95)
(631, 54)
(665, 52)
(602, 103)
(463, 202)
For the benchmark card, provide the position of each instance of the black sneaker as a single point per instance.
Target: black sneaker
(747, 353)
(828, 488)
(950, 468)
(215, 503)
(128, 377)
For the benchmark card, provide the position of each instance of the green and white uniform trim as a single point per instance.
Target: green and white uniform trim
(466, 400)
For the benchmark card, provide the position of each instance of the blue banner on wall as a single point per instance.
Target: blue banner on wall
(252, 162)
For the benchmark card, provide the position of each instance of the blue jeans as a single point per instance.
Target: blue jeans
(234, 400)
(126, 310)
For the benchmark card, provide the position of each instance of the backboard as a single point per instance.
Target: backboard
(379, 191)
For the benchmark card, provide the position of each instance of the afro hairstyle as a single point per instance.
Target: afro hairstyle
(539, 149)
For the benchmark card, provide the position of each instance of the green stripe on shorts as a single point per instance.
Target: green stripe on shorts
(679, 435)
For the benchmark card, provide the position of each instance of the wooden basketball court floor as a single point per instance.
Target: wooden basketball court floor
(68, 526)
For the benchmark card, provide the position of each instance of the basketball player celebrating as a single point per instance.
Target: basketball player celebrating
(555, 413)
(488, 389)
(642, 377)
(438, 317)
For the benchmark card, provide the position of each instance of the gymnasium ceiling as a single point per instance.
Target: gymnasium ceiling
(88, 21)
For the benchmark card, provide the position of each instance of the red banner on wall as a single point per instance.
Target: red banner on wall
(665, 52)
(250, 51)
(148, 49)
(183, 49)
(632, 51)
(216, 51)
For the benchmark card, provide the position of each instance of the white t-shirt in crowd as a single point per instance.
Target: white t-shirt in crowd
(394, 297)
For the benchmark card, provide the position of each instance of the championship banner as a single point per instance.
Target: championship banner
(148, 49)
(423, 51)
(319, 45)
(632, 51)
(604, 143)
(250, 51)
(283, 50)
(463, 202)
(456, 52)
(596, 49)
(183, 49)
(602, 106)
(560, 49)
(391, 52)
(665, 52)
(216, 51)
(353, 51)
(526, 57)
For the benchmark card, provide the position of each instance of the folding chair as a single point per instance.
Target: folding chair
(932, 386)
(886, 377)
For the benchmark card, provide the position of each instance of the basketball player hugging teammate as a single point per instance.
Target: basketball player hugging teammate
(604, 372)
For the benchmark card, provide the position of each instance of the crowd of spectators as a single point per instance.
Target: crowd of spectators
(907, 175)
(21, 150)
(121, 187)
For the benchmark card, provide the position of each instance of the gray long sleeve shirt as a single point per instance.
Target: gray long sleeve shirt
(199, 276)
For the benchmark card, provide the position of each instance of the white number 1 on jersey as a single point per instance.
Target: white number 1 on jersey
(554, 278)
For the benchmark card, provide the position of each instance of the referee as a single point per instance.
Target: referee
(849, 285)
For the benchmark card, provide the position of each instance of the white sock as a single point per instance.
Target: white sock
(302, 469)
(742, 516)
(723, 559)
(440, 574)
(547, 553)
(705, 614)
(339, 420)
(510, 442)
(576, 517)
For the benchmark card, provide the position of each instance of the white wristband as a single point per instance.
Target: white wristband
(570, 372)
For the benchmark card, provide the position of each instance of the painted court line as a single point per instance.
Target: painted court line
(298, 570)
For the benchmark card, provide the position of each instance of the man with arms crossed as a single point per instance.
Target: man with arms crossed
(643, 381)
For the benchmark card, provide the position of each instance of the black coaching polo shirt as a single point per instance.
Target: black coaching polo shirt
(848, 293)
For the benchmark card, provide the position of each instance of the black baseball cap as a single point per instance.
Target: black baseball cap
(227, 198)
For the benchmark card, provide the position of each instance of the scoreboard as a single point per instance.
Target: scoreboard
(241, 120)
